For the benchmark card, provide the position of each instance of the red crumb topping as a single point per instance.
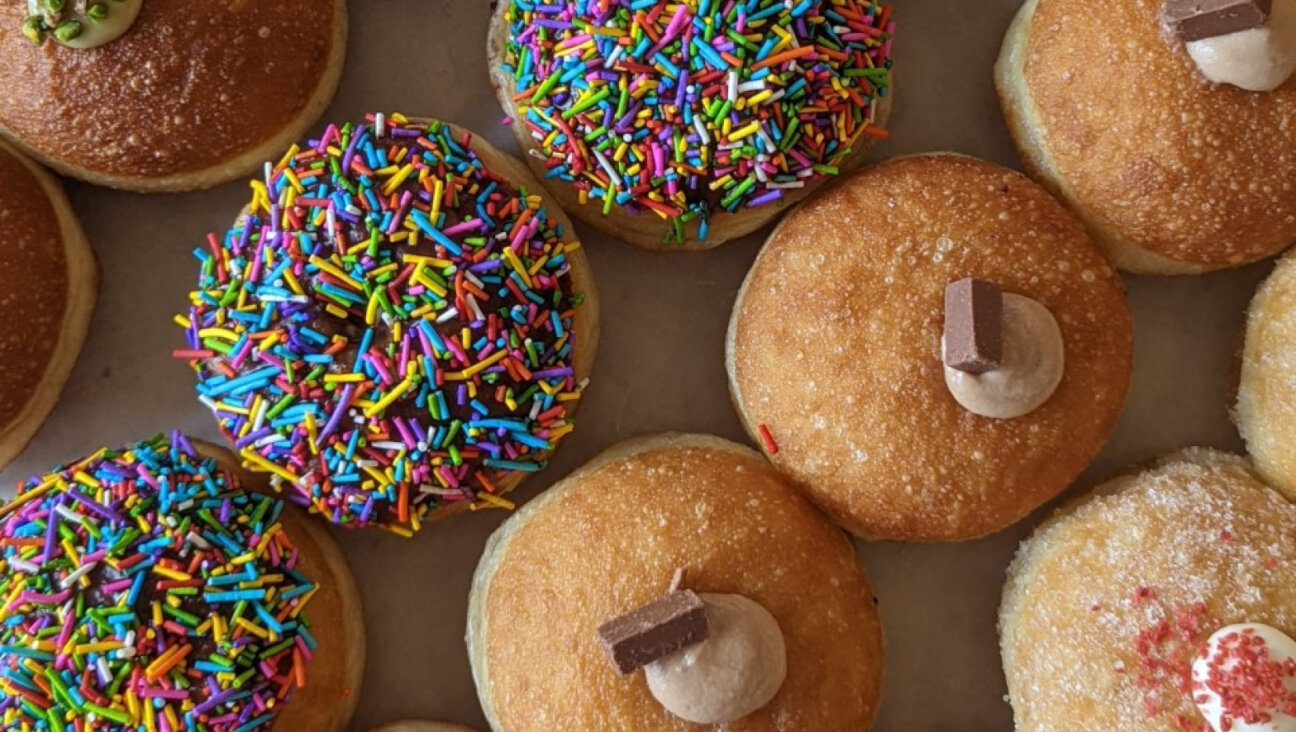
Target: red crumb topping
(1166, 651)
(1143, 594)
(1226, 535)
(770, 445)
(1251, 685)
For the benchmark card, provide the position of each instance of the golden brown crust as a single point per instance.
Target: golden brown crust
(1266, 394)
(333, 678)
(194, 94)
(609, 537)
(835, 339)
(1197, 536)
(49, 282)
(649, 231)
(1172, 174)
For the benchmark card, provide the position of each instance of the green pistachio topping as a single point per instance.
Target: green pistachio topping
(68, 31)
(34, 28)
(78, 23)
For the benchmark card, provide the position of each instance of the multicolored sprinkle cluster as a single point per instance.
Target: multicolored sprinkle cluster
(144, 590)
(390, 329)
(687, 107)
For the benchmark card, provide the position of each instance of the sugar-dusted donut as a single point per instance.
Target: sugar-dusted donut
(1124, 611)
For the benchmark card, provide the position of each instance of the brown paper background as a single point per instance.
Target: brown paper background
(660, 366)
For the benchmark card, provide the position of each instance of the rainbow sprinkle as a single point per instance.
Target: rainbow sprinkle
(690, 107)
(144, 590)
(391, 329)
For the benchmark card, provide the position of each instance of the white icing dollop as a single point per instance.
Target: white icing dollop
(1031, 369)
(1260, 59)
(1279, 647)
(731, 674)
(121, 15)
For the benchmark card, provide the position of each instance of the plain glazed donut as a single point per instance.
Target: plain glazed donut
(835, 349)
(1172, 174)
(192, 95)
(50, 281)
(610, 537)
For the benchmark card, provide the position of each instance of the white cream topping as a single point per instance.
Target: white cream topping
(1260, 59)
(121, 15)
(1031, 369)
(731, 674)
(1280, 648)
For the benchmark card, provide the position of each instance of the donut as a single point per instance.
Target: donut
(835, 349)
(51, 281)
(683, 125)
(165, 95)
(1119, 608)
(149, 589)
(397, 328)
(696, 519)
(418, 726)
(1265, 410)
(1171, 172)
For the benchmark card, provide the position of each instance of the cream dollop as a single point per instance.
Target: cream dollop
(1259, 59)
(1272, 649)
(90, 33)
(731, 674)
(1030, 371)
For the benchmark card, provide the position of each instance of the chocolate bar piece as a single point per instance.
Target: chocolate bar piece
(973, 326)
(655, 630)
(1193, 20)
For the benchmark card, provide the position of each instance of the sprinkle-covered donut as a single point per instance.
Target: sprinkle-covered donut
(678, 119)
(397, 324)
(145, 589)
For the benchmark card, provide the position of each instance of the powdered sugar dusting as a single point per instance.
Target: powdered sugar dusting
(1082, 641)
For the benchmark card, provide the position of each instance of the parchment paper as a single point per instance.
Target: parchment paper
(660, 366)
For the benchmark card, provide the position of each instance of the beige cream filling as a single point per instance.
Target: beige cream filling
(1260, 59)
